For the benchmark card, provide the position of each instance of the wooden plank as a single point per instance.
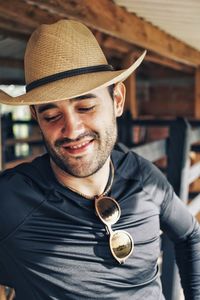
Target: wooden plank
(177, 176)
(109, 18)
(194, 172)
(17, 13)
(121, 47)
(153, 122)
(130, 83)
(118, 45)
(170, 276)
(178, 155)
(19, 19)
(13, 27)
(195, 135)
(2, 293)
(7, 31)
(160, 100)
(165, 107)
(11, 62)
(197, 94)
(152, 151)
(194, 205)
(198, 217)
(164, 61)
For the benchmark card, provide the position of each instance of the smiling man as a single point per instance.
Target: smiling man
(78, 141)
(83, 220)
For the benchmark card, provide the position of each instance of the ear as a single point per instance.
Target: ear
(119, 98)
(33, 112)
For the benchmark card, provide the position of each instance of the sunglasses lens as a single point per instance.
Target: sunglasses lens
(121, 244)
(108, 210)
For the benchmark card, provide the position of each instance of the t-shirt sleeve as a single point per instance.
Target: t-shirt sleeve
(179, 225)
(184, 231)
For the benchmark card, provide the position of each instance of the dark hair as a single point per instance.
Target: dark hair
(111, 90)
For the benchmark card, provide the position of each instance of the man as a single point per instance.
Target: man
(83, 221)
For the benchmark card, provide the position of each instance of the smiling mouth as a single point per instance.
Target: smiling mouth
(81, 145)
(77, 148)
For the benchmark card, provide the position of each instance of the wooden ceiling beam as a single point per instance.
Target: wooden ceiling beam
(123, 48)
(13, 28)
(20, 13)
(166, 62)
(131, 103)
(114, 20)
(22, 18)
(117, 45)
(105, 16)
(197, 94)
(7, 32)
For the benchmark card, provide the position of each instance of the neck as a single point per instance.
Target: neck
(90, 186)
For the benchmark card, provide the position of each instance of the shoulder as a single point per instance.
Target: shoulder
(21, 175)
(133, 166)
(11, 181)
(19, 196)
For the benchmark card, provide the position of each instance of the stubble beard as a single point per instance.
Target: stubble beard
(84, 166)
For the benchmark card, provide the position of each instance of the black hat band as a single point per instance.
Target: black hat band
(66, 74)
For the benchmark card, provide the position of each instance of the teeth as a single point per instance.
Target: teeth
(78, 146)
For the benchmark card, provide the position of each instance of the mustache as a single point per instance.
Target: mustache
(65, 140)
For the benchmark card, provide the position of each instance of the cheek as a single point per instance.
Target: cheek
(49, 132)
(106, 124)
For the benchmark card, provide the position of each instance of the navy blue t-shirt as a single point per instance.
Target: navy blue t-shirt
(53, 246)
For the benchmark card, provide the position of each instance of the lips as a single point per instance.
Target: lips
(77, 148)
(79, 145)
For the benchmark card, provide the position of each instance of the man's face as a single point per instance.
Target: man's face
(80, 133)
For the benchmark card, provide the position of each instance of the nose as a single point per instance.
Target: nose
(72, 126)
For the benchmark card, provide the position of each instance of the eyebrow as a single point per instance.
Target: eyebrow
(87, 96)
(47, 106)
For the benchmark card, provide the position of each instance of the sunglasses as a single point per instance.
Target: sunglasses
(121, 242)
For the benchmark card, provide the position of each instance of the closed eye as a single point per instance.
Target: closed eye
(86, 109)
(52, 118)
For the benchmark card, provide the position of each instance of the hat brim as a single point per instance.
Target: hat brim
(69, 88)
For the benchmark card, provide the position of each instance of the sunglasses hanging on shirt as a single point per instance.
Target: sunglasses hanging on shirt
(120, 241)
(108, 210)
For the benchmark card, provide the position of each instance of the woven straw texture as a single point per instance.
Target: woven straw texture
(63, 46)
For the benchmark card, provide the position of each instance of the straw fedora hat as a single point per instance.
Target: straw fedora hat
(62, 61)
